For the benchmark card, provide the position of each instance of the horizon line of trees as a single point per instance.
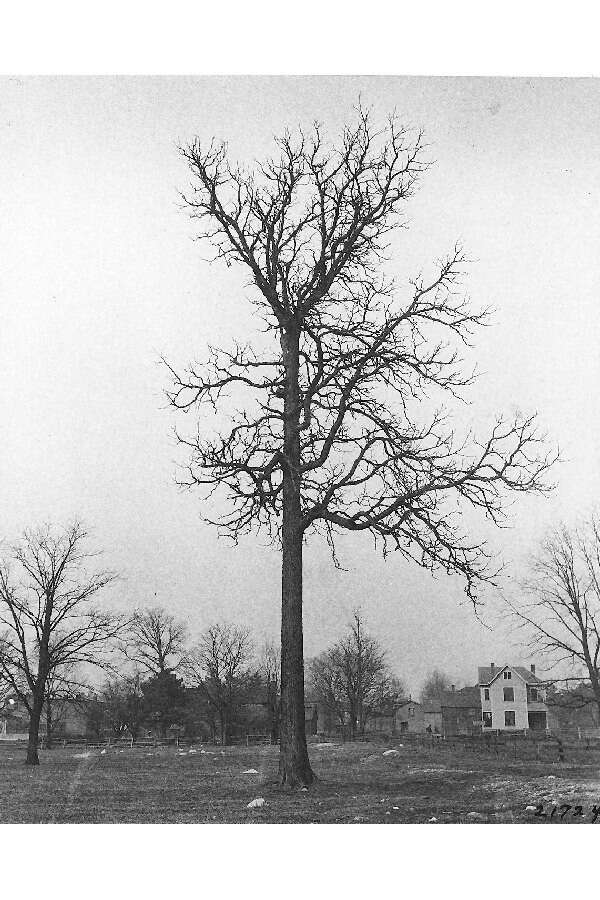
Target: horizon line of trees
(54, 632)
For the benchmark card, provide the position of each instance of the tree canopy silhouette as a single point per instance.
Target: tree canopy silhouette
(327, 427)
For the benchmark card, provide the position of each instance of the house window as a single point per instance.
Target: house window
(507, 676)
(487, 720)
(509, 718)
(486, 693)
(533, 695)
(411, 710)
(509, 695)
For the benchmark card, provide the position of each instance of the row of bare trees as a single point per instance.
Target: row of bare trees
(54, 633)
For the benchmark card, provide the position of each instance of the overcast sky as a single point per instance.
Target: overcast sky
(99, 275)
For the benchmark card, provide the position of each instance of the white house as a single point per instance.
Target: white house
(513, 698)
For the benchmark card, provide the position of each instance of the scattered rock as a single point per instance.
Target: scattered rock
(475, 815)
(304, 789)
(252, 772)
(82, 755)
(552, 776)
(390, 753)
(258, 801)
(432, 819)
(102, 752)
(192, 751)
(395, 807)
(530, 809)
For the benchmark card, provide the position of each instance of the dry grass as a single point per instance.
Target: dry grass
(356, 784)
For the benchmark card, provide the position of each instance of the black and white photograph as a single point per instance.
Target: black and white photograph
(300, 455)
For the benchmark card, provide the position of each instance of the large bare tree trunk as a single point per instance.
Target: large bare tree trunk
(32, 758)
(294, 765)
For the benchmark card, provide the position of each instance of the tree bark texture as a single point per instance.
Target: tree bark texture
(32, 758)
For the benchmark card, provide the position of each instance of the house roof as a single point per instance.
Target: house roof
(466, 698)
(485, 674)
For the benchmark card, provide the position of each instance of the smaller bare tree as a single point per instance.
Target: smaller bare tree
(220, 666)
(327, 685)
(435, 686)
(269, 669)
(155, 641)
(559, 609)
(47, 621)
(123, 701)
(64, 686)
(350, 676)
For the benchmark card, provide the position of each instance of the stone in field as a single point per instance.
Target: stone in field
(258, 801)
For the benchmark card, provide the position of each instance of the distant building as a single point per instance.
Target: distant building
(460, 712)
(513, 698)
(69, 719)
(432, 718)
(409, 718)
(14, 720)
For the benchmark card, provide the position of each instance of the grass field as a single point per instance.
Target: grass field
(357, 784)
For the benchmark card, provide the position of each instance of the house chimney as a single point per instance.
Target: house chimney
(492, 666)
(532, 669)
(452, 687)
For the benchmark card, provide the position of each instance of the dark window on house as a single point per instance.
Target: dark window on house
(509, 717)
(507, 676)
(487, 720)
(486, 693)
(411, 710)
(533, 694)
(509, 695)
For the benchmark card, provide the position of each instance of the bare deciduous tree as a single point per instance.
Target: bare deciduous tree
(269, 669)
(47, 620)
(559, 609)
(329, 431)
(123, 701)
(155, 641)
(352, 678)
(63, 686)
(434, 687)
(220, 666)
